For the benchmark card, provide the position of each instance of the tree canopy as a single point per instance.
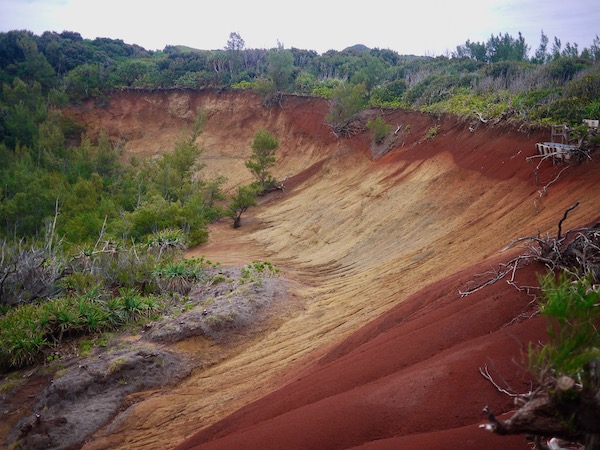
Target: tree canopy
(262, 158)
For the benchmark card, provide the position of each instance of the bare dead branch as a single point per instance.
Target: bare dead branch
(516, 154)
(101, 233)
(577, 252)
(503, 270)
(486, 374)
(564, 217)
(538, 416)
(544, 190)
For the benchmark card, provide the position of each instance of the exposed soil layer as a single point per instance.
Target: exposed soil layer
(409, 379)
(383, 352)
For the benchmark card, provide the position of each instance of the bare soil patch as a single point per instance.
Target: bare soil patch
(77, 396)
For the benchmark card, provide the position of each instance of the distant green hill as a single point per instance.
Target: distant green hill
(357, 47)
(186, 49)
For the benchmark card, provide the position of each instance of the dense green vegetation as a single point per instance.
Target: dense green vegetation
(75, 219)
(571, 307)
(556, 82)
(262, 159)
(567, 367)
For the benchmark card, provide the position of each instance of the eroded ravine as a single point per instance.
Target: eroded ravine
(356, 236)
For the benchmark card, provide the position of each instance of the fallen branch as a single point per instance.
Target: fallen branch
(564, 217)
(538, 416)
(486, 374)
(504, 270)
(544, 190)
(577, 252)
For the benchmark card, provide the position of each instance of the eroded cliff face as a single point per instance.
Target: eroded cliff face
(358, 237)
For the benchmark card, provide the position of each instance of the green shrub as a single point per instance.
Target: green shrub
(133, 305)
(117, 314)
(266, 89)
(256, 271)
(28, 330)
(21, 336)
(592, 110)
(571, 308)
(389, 93)
(62, 315)
(464, 103)
(179, 276)
(78, 283)
(93, 315)
(326, 87)
(379, 129)
(532, 99)
(305, 82)
(432, 132)
(242, 85)
(197, 236)
(347, 101)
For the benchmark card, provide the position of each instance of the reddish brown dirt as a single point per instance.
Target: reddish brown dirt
(409, 379)
(383, 353)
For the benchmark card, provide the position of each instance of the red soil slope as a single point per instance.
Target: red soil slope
(409, 379)
(384, 353)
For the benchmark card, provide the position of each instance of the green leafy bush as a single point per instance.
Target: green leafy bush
(432, 132)
(29, 330)
(20, 336)
(326, 87)
(256, 271)
(571, 308)
(465, 103)
(179, 276)
(242, 86)
(262, 158)
(379, 129)
(346, 102)
(244, 198)
(389, 95)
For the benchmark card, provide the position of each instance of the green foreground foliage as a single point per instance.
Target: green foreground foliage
(104, 290)
(379, 129)
(567, 367)
(572, 310)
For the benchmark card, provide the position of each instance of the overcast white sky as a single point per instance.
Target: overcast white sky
(415, 27)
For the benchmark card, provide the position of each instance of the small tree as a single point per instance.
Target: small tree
(281, 68)
(235, 46)
(347, 100)
(263, 158)
(244, 198)
(371, 74)
(379, 129)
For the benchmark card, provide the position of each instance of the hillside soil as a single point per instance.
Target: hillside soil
(373, 347)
